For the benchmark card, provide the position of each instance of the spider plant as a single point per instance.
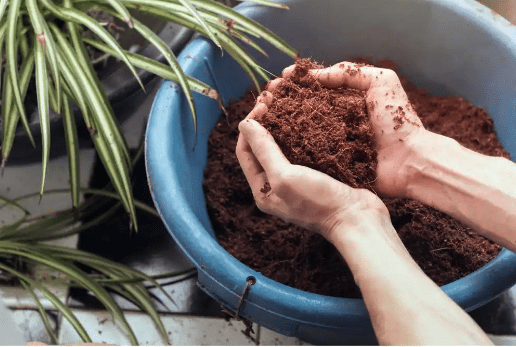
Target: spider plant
(43, 39)
(23, 239)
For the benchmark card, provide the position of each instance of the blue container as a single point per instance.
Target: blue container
(447, 47)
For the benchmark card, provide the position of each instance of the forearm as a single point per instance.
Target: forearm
(405, 306)
(478, 190)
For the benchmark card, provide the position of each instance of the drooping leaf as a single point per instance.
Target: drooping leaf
(44, 37)
(11, 52)
(122, 11)
(157, 68)
(187, 5)
(67, 313)
(3, 7)
(82, 57)
(172, 61)
(73, 272)
(106, 141)
(267, 3)
(228, 12)
(42, 312)
(43, 108)
(10, 115)
(72, 148)
(75, 16)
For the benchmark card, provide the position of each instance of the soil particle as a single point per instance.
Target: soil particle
(444, 248)
(266, 188)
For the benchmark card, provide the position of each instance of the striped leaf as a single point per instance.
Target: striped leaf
(43, 107)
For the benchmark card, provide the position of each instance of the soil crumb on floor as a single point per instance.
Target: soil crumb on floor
(443, 247)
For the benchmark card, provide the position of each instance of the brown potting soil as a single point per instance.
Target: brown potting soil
(443, 247)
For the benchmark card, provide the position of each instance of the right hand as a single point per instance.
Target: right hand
(393, 119)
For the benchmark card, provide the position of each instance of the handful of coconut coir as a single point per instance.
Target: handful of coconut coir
(325, 129)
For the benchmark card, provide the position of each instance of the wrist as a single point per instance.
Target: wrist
(359, 230)
(367, 211)
(373, 250)
(427, 149)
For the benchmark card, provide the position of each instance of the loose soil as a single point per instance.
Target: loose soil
(443, 247)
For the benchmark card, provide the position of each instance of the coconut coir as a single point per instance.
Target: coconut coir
(443, 247)
(324, 129)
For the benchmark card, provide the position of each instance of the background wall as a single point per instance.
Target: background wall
(506, 8)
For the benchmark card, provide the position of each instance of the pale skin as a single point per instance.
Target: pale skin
(405, 306)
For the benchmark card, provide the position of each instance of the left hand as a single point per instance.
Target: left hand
(298, 194)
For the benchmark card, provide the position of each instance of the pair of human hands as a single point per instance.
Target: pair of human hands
(314, 200)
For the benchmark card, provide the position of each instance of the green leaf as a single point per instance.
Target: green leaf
(75, 16)
(43, 108)
(236, 49)
(58, 304)
(42, 312)
(11, 51)
(13, 203)
(233, 48)
(23, 41)
(82, 57)
(267, 3)
(150, 36)
(75, 91)
(44, 37)
(9, 113)
(251, 24)
(52, 98)
(72, 271)
(72, 148)
(3, 7)
(3, 29)
(157, 68)
(122, 11)
(107, 140)
(116, 271)
(223, 11)
(247, 69)
(187, 5)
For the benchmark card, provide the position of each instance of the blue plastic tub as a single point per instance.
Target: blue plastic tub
(447, 47)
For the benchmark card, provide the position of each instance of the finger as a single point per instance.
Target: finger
(259, 110)
(272, 85)
(287, 72)
(351, 75)
(266, 98)
(264, 148)
(253, 171)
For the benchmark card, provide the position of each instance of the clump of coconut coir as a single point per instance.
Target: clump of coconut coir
(322, 128)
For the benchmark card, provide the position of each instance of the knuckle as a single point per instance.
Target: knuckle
(389, 75)
(282, 181)
(265, 98)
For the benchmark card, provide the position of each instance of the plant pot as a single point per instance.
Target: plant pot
(456, 47)
(118, 83)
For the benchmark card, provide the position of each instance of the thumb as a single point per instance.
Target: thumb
(265, 149)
